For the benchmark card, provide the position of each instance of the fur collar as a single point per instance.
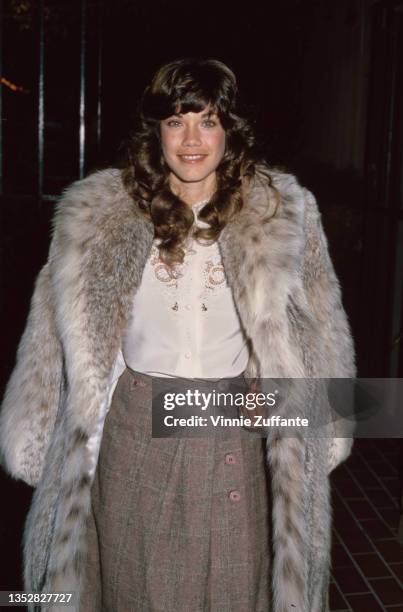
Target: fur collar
(100, 247)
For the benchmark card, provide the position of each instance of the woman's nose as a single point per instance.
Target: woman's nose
(191, 136)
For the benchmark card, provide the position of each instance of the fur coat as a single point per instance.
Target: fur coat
(289, 303)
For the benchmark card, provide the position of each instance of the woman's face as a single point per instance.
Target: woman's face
(193, 145)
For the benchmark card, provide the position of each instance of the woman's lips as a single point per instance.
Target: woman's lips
(192, 159)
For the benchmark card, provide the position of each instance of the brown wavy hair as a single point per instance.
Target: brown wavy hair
(182, 86)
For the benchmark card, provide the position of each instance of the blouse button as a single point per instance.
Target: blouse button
(235, 495)
(188, 355)
(188, 306)
(230, 459)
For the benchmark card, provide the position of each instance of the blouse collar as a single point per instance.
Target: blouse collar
(198, 205)
(196, 209)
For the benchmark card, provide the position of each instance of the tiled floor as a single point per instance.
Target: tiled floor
(367, 572)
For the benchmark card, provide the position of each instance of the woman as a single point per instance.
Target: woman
(195, 261)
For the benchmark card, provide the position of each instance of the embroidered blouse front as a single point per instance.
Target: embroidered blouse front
(184, 321)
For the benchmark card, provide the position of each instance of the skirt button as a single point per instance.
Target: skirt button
(229, 459)
(235, 495)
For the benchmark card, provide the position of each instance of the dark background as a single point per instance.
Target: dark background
(323, 82)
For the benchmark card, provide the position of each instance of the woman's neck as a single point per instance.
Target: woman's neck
(193, 193)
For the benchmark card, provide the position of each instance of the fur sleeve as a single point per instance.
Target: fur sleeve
(32, 394)
(324, 294)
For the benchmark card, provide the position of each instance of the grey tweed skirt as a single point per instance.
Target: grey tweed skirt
(176, 524)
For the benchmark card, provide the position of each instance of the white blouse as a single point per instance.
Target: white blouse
(184, 321)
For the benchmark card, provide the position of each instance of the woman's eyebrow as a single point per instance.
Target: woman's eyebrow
(206, 114)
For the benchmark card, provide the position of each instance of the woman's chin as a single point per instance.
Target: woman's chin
(192, 174)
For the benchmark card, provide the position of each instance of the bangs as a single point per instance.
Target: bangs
(191, 103)
(186, 102)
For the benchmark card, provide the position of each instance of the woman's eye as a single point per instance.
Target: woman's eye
(173, 122)
(210, 123)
